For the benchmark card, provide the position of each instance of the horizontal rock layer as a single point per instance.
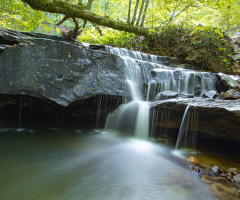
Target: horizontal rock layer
(72, 81)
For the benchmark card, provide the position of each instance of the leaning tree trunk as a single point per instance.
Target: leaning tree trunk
(80, 11)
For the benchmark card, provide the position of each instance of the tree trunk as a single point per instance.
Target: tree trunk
(135, 12)
(80, 11)
(129, 11)
(144, 14)
(140, 13)
(89, 4)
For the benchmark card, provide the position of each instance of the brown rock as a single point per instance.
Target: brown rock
(237, 178)
(230, 94)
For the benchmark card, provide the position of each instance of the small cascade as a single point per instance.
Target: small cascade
(187, 135)
(99, 105)
(20, 115)
(132, 54)
(133, 116)
(2, 116)
(148, 79)
(31, 116)
(187, 83)
(177, 82)
(102, 105)
(161, 119)
(142, 121)
(133, 77)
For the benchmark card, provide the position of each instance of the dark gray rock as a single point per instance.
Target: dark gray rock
(10, 37)
(169, 61)
(215, 118)
(185, 95)
(97, 47)
(67, 80)
(210, 94)
(60, 71)
(229, 81)
(166, 95)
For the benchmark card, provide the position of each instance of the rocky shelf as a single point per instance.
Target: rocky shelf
(77, 81)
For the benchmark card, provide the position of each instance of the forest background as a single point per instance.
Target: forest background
(204, 32)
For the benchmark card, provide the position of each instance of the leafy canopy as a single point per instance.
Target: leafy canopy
(223, 14)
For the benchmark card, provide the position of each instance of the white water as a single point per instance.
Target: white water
(182, 127)
(147, 79)
(133, 116)
(142, 121)
(79, 165)
(187, 135)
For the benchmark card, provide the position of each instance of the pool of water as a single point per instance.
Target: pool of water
(92, 165)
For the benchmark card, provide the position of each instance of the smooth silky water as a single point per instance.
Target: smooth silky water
(68, 164)
(94, 165)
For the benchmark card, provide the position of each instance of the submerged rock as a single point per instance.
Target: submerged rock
(215, 169)
(237, 178)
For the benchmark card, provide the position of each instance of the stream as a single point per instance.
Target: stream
(121, 161)
(92, 165)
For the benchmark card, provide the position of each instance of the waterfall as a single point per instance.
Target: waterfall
(20, 115)
(142, 121)
(133, 116)
(148, 79)
(183, 127)
(187, 135)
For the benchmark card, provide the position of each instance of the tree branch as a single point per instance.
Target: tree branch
(80, 11)
(63, 20)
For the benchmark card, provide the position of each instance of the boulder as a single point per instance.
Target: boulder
(214, 118)
(97, 47)
(236, 69)
(49, 78)
(210, 94)
(236, 57)
(58, 71)
(229, 81)
(230, 94)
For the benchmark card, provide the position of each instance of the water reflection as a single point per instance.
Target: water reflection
(92, 166)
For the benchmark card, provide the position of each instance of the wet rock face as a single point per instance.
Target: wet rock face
(31, 112)
(69, 81)
(58, 71)
(230, 94)
(229, 81)
(215, 118)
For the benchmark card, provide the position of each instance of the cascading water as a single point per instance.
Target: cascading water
(20, 116)
(183, 127)
(148, 79)
(188, 130)
(133, 116)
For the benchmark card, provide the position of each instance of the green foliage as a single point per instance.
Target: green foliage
(207, 46)
(110, 37)
(16, 15)
(179, 28)
(204, 45)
